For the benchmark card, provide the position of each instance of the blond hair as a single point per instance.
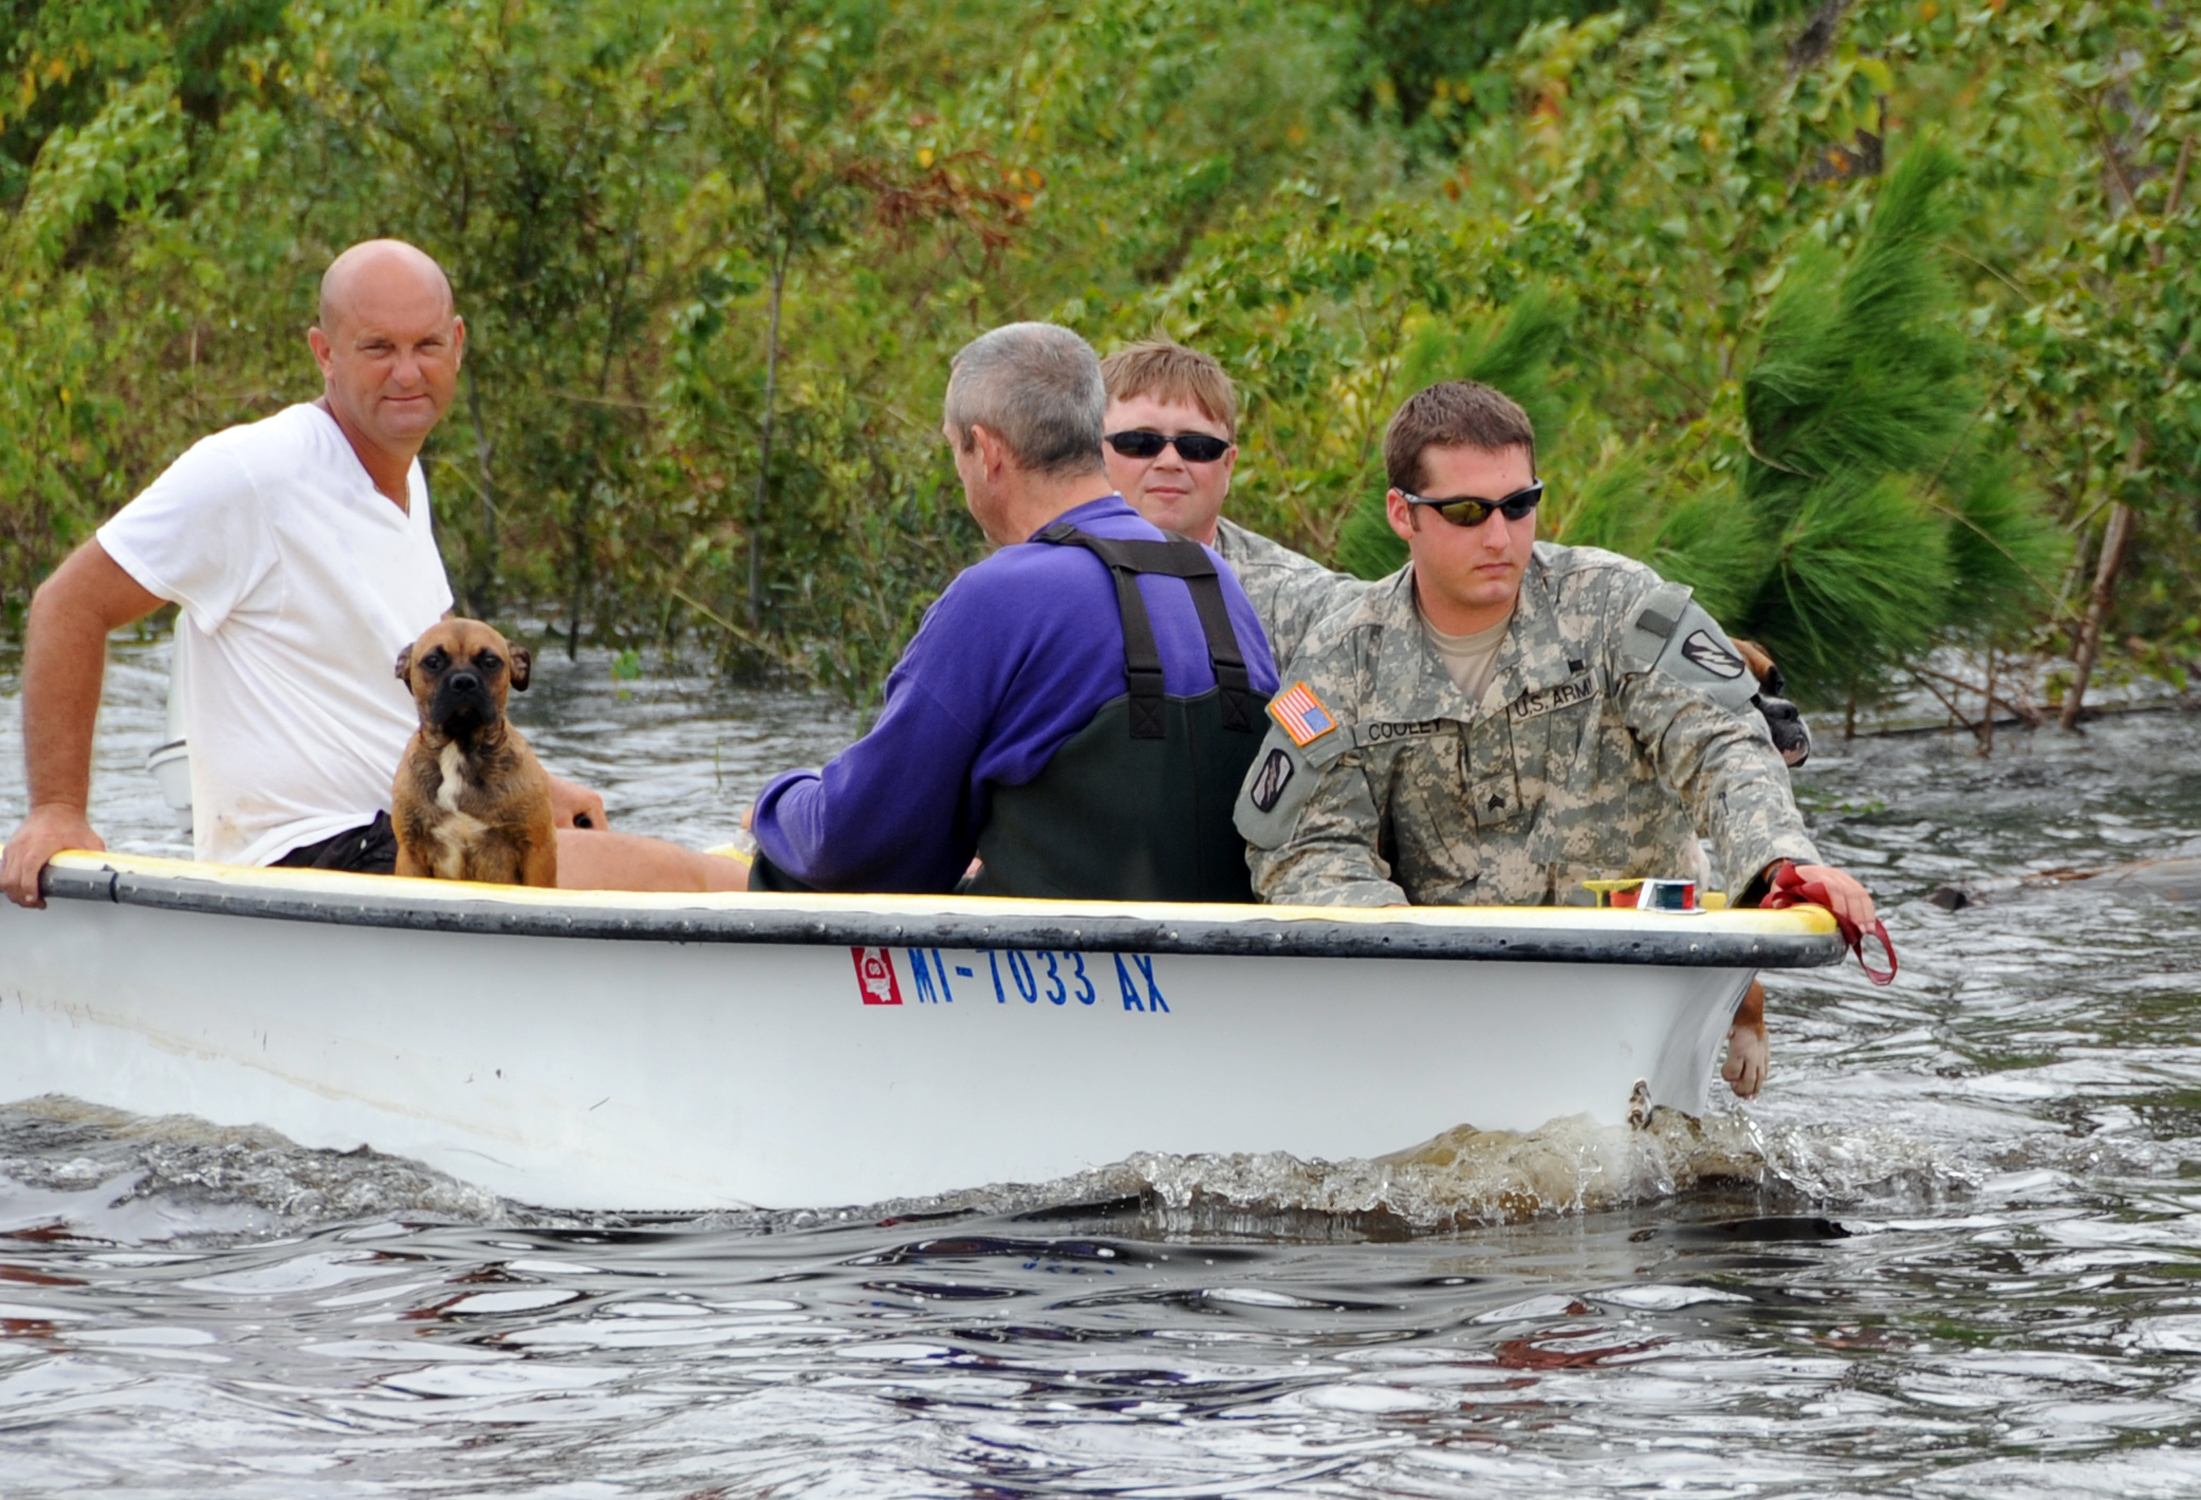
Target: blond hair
(1164, 370)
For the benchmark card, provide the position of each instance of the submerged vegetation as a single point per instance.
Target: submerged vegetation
(1869, 320)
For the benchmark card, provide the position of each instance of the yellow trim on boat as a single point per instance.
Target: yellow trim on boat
(1796, 920)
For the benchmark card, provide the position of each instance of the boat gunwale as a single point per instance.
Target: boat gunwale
(1785, 940)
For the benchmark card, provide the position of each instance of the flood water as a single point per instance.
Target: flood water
(1954, 1250)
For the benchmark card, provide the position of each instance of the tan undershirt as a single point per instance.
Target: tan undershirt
(1470, 660)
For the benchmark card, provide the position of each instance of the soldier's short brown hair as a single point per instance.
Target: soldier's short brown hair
(1167, 371)
(1452, 414)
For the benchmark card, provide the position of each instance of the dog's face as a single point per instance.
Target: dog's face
(1783, 719)
(459, 672)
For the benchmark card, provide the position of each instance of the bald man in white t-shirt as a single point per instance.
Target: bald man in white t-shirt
(300, 552)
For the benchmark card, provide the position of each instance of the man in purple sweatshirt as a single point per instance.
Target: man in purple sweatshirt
(1078, 710)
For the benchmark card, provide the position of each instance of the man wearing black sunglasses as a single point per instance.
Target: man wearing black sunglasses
(1171, 446)
(1504, 719)
(1078, 709)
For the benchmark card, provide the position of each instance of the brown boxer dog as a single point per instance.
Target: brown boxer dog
(471, 802)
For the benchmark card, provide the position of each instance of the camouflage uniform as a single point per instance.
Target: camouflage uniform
(1289, 591)
(1619, 721)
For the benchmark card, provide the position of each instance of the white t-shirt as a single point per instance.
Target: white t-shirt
(300, 582)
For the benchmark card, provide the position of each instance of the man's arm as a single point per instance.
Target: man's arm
(1719, 758)
(1312, 828)
(899, 809)
(64, 667)
(892, 812)
(1313, 825)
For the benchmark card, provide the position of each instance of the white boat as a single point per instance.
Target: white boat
(610, 1050)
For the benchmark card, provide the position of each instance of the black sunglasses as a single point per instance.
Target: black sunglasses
(1466, 510)
(1192, 447)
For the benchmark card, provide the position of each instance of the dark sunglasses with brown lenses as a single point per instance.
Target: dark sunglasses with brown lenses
(1192, 447)
(1466, 510)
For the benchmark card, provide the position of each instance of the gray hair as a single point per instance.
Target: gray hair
(1038, 388)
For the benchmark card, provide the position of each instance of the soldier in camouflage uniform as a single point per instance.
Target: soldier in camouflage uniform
(1159, 388)
(1617, 721)
(1163, 390)
(1290, 591)
(1390, 783)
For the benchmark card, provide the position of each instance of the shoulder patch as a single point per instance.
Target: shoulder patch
(1712, 655)
(1300, 714)
(1270, 780)
(1277, 786)
(1698, 655)
(1651, 632)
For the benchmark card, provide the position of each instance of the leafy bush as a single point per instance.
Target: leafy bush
(1861, 389)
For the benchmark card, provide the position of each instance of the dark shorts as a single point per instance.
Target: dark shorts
(369, 850)
(766, 876)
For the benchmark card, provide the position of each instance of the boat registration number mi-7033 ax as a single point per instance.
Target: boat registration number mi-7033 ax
(1039, 977)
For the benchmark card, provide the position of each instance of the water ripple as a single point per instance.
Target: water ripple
(1954, 1251)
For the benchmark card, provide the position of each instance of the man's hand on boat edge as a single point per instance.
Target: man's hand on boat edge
(1852, 902)
(46, 832)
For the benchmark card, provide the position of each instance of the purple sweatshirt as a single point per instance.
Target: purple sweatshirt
(1012, 660)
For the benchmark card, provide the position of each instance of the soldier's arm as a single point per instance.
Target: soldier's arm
(1289, 590)
(1314, 824)
(1684, 691)
(1313, 830)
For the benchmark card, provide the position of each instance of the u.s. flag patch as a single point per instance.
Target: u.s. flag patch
(1300, 714)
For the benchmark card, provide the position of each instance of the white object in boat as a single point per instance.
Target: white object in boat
(611, 1050)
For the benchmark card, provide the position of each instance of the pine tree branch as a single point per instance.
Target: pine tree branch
(1984, 535)
(1750, 447)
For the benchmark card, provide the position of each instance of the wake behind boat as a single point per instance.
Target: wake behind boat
(613, 1050)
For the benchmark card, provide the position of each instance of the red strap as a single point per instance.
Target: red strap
(1788, 888)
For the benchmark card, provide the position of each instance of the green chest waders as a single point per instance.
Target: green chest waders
(1136, 806)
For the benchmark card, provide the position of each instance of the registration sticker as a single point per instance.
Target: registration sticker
(1300, 714)
(875, 977)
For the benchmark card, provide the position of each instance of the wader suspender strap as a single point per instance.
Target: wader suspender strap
(1142, 659)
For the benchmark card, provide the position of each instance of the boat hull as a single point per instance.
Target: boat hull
(609, 1072)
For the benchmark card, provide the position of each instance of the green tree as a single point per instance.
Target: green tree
(715, 258)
